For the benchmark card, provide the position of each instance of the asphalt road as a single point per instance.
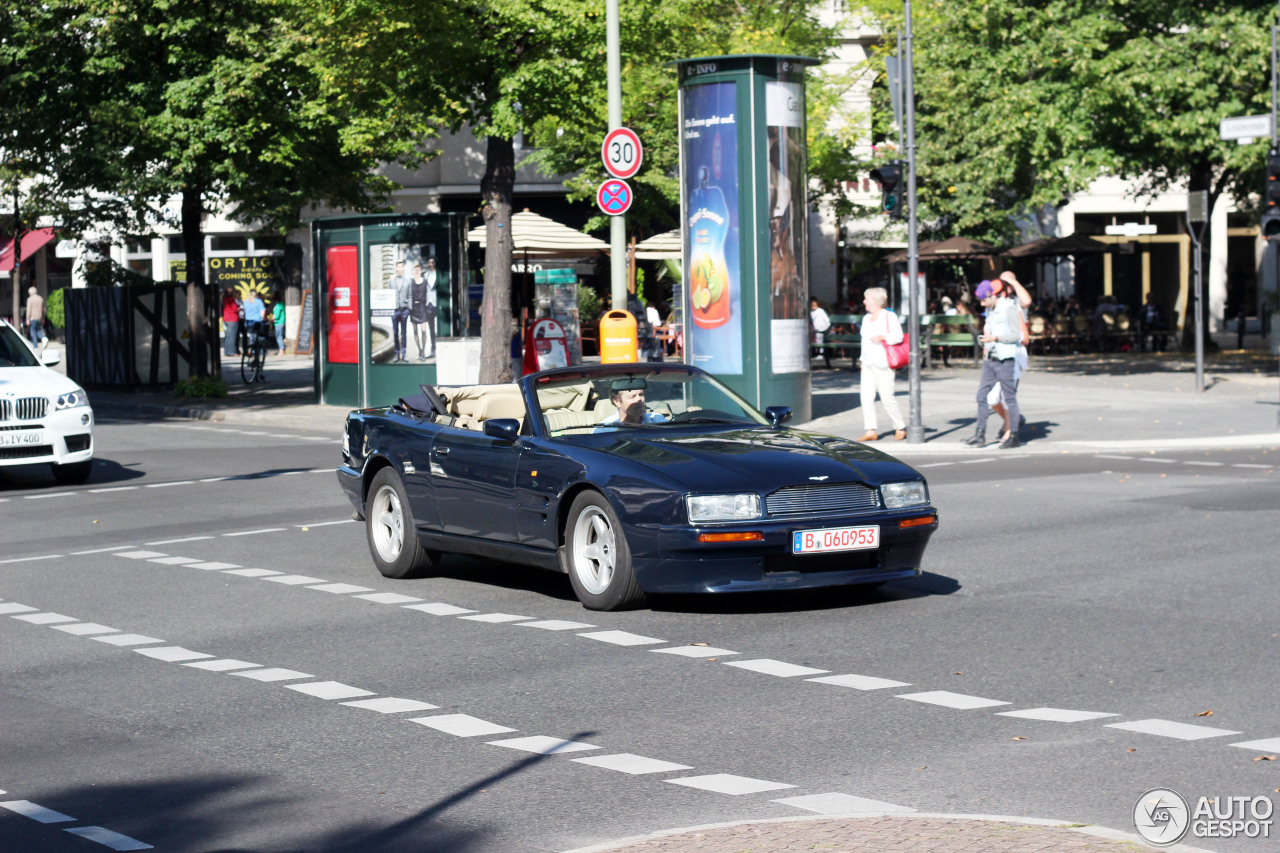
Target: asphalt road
(1136, 586)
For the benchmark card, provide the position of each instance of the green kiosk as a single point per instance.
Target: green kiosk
(389, 304)
(743, 169)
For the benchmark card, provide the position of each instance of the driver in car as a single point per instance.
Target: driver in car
(627, 395)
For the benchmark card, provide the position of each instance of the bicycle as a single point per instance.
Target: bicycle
(254, 354)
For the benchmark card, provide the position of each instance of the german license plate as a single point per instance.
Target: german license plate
(835, 539)
(21, 438)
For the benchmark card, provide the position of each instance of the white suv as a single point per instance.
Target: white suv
(44, 416)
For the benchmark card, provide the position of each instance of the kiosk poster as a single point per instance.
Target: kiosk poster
(788, 249)
(714, 281)
(342, 299)
(403, 288)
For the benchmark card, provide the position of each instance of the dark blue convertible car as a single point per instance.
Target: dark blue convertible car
(632, 479)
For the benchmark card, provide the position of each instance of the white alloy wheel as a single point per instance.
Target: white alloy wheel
(595, 550)
(387, 523)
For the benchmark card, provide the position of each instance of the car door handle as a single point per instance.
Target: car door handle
(442, 451)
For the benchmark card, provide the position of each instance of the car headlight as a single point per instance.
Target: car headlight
(899, 495)
(71, 399)
(703, 508)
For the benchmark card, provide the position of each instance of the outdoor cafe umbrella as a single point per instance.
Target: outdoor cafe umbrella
(537, 236)
(952, 247)
(661, 247)
(1072, 245)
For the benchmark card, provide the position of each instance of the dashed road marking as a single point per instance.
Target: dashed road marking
(14, 607)
(621, 638)
(127, 639)
(329, 690)
(388, 598)
(340, 588)
(779, 668)
(462, 725)
(213, 567)
(140, 555)
(727, 783)
(1168, 728)
(1157, 459)
(26, 808)
(543, 745)
(327, 523)
(935, 465)
(437, 608)
(49, 495)
(252, 573)
(173, 483)
(31, 559)
(694, 652)
(293, 580)
(176, 541)
(1249, 465)
(626, 762)
(107, 838)
(172, 654)
(84, 629)
(173, 561)
(1206, 464)
(948, 699)
(1055, 715)
(496, 618)
(1269, 744)
(860, 682)
(556, 625)
(256, 532)
(103, 550)
(391, 705)
(222, 665)
(274, 673)
(112, 489)
(46, 618)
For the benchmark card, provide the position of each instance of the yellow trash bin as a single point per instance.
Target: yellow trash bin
(618, 344)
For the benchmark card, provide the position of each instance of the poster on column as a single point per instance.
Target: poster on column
(713, 280)
(788, 227)
(403, 296)
(342, 301)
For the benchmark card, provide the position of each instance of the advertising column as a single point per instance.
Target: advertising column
(788, 227)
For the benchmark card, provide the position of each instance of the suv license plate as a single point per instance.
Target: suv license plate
(835, 539)
(21, 438)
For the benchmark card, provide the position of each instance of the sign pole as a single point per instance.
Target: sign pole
(617, 224)
(915, 424)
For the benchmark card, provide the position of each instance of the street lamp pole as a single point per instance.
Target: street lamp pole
(915, 424)
(617, 224)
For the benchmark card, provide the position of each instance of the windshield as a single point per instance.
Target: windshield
(639, 397)
(13, 352)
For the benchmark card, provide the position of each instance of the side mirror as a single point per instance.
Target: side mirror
(778, 415)
(505, 429)
(50, 357)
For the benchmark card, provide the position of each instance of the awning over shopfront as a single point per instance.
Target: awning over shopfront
(32, 242)
(538, 236)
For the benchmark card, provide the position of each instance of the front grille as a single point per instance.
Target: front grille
(837, 497)
(6, 410)
(76, 443)
(32, 408)
(25, 452)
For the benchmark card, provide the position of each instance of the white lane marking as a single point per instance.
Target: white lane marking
(497, 618)
(1055, 715)
(727, 783)
(948, 699)
(140, 555)
(694, 652)
(556, 625)
(860, 682)
(1206, 464)
(835, 803)
(388, 598)
(50, 495)
(214, 479)
(341, 588)
(620, 638)
(32, 559)
(103, 550)
(127, 639)
(1249, 465)
(46, 618)
(391, 705)
(775, 667)
(174, 483)
(274, 673)
(107, 838)
(329, 690)
(256, 532)
(1111, 456)
(324, 523)
(1157, 459)
(1268, 744)
(222, 665)
(112, 489)
(1168, 728)
(292, 580)
(935, 464)
(248, 432)
(84, 629)
(543, 745)
(14, 607)
(26, 808)
(461, 725)
(252, 573)
(976, 461)
(172, 654)
(438, 609)
(173, 561)
(176, 541)
(212, 567)
(626, 762)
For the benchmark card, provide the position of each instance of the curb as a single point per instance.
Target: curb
(1102, 832)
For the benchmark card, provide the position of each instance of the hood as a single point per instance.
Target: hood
(758, 459)
(37, 381)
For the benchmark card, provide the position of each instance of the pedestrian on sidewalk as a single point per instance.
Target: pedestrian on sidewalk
(231, 313)
(879, 326)
(819, 325)
(277, 318)
(1000, 339)
(35, 317)
(1009, 287)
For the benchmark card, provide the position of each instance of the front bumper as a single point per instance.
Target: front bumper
(679, 563)
(65, 437)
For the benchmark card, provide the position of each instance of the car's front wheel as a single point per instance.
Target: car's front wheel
(596, 556)
(392, 533)
(72, 474)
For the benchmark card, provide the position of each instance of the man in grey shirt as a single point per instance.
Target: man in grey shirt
(403, 286)
(1000, 340)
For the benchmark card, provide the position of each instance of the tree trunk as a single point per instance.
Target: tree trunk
(497, 189)
(199, 302)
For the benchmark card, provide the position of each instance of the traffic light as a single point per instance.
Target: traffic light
(1271, 198)
(889, 177)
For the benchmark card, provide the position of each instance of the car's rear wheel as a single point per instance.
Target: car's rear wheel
(596, 556)
(72, 474)
(392, 533)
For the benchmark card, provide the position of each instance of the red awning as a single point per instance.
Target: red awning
(32, 241)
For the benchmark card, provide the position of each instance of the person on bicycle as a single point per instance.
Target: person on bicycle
(254, 311)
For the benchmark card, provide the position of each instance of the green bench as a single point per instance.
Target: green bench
(962, 332)
(843, 339)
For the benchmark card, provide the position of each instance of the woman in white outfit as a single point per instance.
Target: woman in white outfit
(878, 327)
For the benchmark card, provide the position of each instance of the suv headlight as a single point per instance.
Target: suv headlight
(899, 495)
(704, 508)
(71, 399)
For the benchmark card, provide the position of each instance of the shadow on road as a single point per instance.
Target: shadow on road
(807, 600)
(40, 476)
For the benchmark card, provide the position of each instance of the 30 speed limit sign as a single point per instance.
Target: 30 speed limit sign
(622, 153)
